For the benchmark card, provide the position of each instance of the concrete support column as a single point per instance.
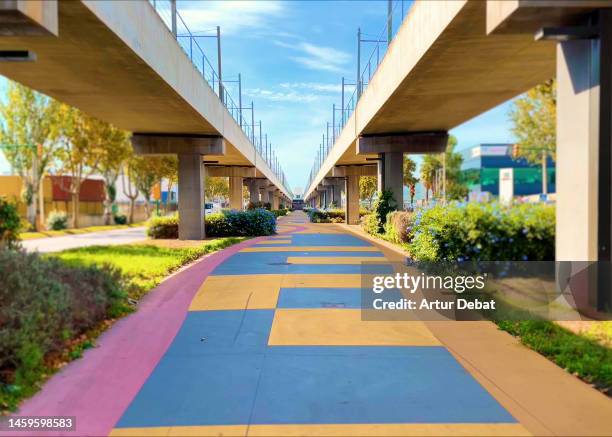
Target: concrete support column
(391, 175)
(584, 152)
(191, 197)
(336, 196)
(235, 192)
(352, 200)
(253, 191)
(275, 199)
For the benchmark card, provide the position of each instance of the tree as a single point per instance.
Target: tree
(81, 148)
(409, 179)
(169, 171)
(216, 187)
(146, 172)
(28, 132)
(534, 116)
(367, 188)
(443, 172)
(431, 164)
(116, 149)
(129, 190)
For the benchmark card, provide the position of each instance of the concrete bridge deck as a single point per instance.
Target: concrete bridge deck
(266, 338)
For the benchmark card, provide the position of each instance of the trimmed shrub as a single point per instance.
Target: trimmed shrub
(280, 212)
(370, 223)
(250, 223)
(329, 216)
(228, 223)
(10, 224)
(163, 227)
(45, 304)
(398, 226)
(57, 220)
(483, 231)
(120, 219)
(383, 205)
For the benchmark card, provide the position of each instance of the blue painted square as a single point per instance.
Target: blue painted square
(319, 298)
(190, 390)
(370, 385)
(269, 263)
(210, 332)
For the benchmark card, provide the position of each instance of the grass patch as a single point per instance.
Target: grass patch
(64, 232)
(140, 268)
(144, 266)
(580, 355)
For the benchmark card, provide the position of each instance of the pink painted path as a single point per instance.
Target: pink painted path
(99, 387)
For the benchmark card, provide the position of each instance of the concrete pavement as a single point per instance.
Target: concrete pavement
(113, 237)
(266, 338)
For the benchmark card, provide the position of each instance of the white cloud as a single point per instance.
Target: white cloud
(232, 16)
(318, 57)
(314, 86)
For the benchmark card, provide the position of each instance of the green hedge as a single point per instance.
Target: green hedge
(45, 304)
(10, 224)
(469, 230)
(280, 212)
(326, 216)
(483, 231)
(249, 223)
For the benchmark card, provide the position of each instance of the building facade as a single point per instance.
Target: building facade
(481, 165)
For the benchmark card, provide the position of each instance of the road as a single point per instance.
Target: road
(116, 236)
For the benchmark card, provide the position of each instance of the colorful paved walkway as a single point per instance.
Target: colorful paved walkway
(273, 344)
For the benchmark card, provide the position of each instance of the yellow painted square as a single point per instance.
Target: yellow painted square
(321, 280)
(237, 292)
(344, 327)
(312, 249)
(391, 429)
(274, 242)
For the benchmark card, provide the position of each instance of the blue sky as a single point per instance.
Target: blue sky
(292, 56)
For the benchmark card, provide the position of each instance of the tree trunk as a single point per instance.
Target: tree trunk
(107, 210)
(131, 211)
(544, 174)
(75, 207)
(146, 206)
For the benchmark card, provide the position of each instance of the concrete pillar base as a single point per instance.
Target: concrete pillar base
(391, 175)
(191, 197)
(352, 200)
(235, 193)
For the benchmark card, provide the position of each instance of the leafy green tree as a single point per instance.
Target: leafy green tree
(216, 187)
(117, 149)
(443, 171)
(367, 188)
(410, 180)
(81, 148)
(28, 132)
(534, 116)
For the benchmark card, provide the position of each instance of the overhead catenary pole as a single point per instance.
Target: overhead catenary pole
(219, 65)
(252, 122)
(260, 143)
(173, 14)
(389, 21)
(342, 102)
(358, 62)
(333, 123)
(240, 99)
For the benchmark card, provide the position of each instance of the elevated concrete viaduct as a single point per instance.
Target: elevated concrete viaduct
(117, 60)
(453, 60)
